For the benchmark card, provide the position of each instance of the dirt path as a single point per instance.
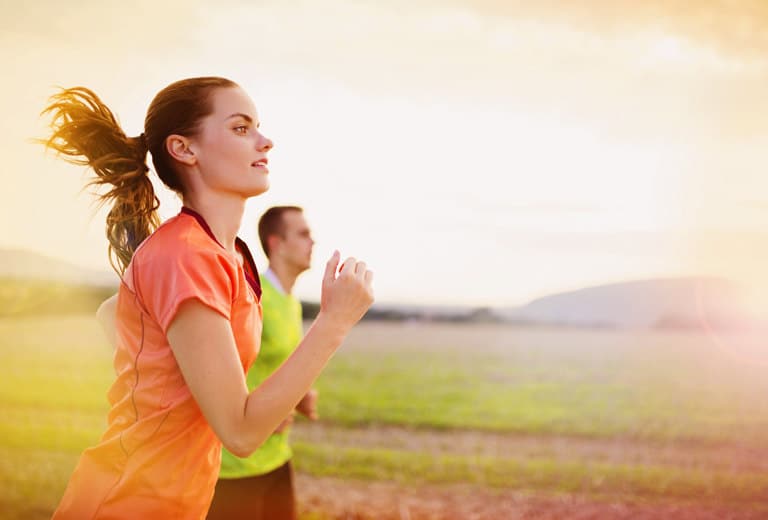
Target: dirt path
(337, 499)
(682, 455)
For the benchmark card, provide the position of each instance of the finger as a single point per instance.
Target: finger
(368, 277)
(330, 267)
(360, 269)
(348, 266)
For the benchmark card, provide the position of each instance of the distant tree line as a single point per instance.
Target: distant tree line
(19, 297)
(476, 315)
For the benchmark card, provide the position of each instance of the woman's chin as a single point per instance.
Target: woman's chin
(258, 190)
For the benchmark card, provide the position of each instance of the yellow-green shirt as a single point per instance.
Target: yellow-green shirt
(281, 333)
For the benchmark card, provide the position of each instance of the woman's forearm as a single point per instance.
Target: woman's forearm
(205, 350)
(268, 404)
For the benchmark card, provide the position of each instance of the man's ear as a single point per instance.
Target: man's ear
(272, 242)
(178, 148)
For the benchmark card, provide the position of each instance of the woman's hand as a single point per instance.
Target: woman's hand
(347, 296)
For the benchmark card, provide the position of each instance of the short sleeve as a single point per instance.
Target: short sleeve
(195, 273)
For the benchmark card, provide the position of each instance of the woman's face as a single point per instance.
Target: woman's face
(231, 152)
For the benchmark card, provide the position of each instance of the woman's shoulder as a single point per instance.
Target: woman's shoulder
(180, 238)
(181, 261)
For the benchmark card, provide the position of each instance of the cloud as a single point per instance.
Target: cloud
(138, 22)
(736, 28)
(537, 207)
(626, 68)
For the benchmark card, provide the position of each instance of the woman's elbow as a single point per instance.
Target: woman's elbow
(107, 311)
(240, 450)
(241, 447)
(102, 313)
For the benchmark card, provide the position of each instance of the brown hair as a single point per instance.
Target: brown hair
(84, 131)
(271, 223)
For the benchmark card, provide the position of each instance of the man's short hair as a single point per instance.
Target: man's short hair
(271, 223)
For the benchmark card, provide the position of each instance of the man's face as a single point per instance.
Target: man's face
(296, 243)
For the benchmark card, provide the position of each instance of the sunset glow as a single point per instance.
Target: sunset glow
(514, 153)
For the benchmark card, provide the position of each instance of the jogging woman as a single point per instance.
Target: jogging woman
(188, 313)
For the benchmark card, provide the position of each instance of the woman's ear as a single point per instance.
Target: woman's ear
(178, 148)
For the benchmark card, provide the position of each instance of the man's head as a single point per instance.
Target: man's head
(286, 238)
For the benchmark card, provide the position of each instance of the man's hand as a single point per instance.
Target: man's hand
(308, 405)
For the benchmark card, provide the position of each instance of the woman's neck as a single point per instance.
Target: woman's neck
(222, 214)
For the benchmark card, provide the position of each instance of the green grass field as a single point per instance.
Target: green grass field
(647, 416)
(569, 381)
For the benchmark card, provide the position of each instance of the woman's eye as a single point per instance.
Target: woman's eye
(241, 129)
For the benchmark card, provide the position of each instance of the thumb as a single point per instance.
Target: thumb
(330, 267)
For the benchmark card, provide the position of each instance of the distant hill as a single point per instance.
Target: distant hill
(34, 284)
(654, 303)
(27, 265)
(671, 303)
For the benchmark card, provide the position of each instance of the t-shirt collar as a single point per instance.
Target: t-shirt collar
(270, 275)
(251, 273)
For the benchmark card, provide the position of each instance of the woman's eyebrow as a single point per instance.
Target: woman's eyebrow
(244, 116)
(248, 118)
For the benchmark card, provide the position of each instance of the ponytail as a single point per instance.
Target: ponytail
(85, 132)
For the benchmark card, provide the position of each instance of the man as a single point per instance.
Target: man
(261, 486)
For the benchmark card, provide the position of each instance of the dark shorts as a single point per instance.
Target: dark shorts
(269, 497)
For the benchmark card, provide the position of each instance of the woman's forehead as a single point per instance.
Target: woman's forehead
(234, 101)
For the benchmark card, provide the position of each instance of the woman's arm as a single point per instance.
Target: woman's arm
(206, 352)
(107, 315)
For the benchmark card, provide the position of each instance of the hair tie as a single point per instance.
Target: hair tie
(143, 149)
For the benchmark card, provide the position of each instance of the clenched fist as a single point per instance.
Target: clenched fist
(347, 296)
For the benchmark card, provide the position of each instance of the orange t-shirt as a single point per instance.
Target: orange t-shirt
(159, 457)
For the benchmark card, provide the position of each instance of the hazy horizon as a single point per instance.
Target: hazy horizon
(717, 291)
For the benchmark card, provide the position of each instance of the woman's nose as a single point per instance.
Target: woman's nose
(265, 144)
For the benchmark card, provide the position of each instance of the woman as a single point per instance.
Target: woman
(188, 313)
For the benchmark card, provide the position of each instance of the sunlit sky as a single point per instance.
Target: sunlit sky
(481, 153)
